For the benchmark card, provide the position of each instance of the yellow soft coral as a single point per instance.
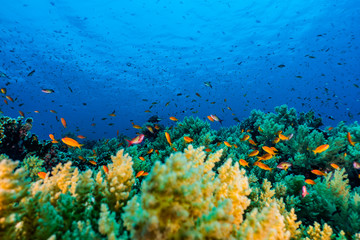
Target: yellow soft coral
(117, 184)
(267, 224)
(183, 198)
(316, 233)
(13, 188)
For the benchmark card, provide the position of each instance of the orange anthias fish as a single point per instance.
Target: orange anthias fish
(3, 90)
(139, 173)
(10, 98)
(263, 166)
(81, 137)
(265, 157)
(63, 122)
(349, 139)
(243, 163)
(276, 140)
(150, 151)
(136, 140)
(210, 118)
(269, 150)
(81, 158)
(252, 142)
(283, 137)
(188, 139)
(21, 113)
(168, 139)
(42, 175)
(142, 158)
(136, 126)
(106, 169)
(227, 144)
(92, 162)
(150, 129)
(335, 166)
(321, 148)
(244, 138)
(318, 172)
(310, 181)
(173, 119)
(208, 150)
(71, 142)
(52, 138)
(253, 153)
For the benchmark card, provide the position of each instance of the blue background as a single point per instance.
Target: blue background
(126, 55)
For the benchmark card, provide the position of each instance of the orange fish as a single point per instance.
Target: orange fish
(283, 137)
(63, 122)
(253, 153)
(276, 140)
(335, 166)
(106, 170)
(197, 94)
(252, 142)
(265, 157)
(173, 119)
(227, 144)
(249, 130)
(318, 172)
(244, 138)
(150, 151)
(136, 126)
(208, 150)
(53, 138)
(6, 102)
(157, 127)
(263, 166)
(210, 118)
(71, 142)
(53, 111)
(167, 135)
(144, 174)
(321, 148)
(10, 98)
(36, 111)
(310, 181)
(3, 90)
(112, 114)
(42, 175)
(139, 174)
(81, 158)
(243, 163)
(188, 139)
(150, 129)
(92, 162)
(235, 146)
(349, 139)
(268, 150)
(157, 151)
(260, 130)
(81, 137)
(330, 128)
(21, 114)
(142, 158)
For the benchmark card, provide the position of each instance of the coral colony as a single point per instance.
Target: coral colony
(273, 176)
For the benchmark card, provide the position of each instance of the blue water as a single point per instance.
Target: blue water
(101, 56)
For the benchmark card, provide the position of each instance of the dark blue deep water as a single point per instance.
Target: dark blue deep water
(133, 56)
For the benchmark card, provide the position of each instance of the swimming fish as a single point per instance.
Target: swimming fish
(253, 153)
(227, 144)
(136, 140)
(284, 165)
(142, 158)
(52, 138)
(304, 192)
(210, 118)
(243, 163)
(349, 139)
(150, 129)
(106, 169)
(10, 98)
(188, 139)
(31, 73)
(321, 148)
(356, 165)
(310, 181)
(173, 119)
(81, 137)
(92, 162)
(71, 142)
(216, 118)
(283, 137)
(244, 138)
(335, 166)
(262, 166)
(252, 142)
(318, 172)
(139, 174)
(167, 135)
(63, 122)
(3, 90)
(47, 90)
(208, 84)
(42, 175)
(21, 113)
(269, 150)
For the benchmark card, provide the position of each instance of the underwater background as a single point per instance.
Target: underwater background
(179, 119)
